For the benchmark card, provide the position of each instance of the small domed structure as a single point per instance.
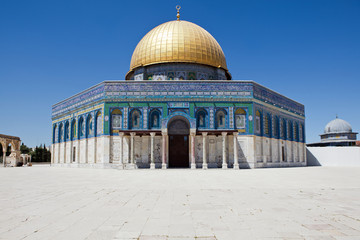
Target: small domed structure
(337, 132)
(338, 126)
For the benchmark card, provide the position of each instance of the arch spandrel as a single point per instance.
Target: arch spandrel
(165, 122)
(15, 145)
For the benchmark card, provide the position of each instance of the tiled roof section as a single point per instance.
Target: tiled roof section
(264, 94)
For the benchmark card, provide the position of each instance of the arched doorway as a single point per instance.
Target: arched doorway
(9, 149)
(1, 154)
(179, 130)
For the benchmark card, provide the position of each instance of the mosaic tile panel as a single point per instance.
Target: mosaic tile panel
(231, 117)
(126, 110)
(211, 114)
(216, 91)
(145, 119)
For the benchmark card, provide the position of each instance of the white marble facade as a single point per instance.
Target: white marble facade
(116, 152)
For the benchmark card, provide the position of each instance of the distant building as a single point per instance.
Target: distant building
(338, 132)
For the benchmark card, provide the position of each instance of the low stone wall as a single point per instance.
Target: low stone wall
(333, 156)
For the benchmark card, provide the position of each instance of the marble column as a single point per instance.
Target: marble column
(164, 138)
(224, 163)
(204, 165)
(152, 160)
(121, 158)
(193, 164)
(132, 150)
(236, 156)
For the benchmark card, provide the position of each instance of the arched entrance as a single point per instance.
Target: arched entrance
(1, 154)
(179, 130)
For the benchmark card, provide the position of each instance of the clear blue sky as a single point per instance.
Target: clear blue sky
(307, 50)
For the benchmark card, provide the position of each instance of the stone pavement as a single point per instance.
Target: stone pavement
(175, 204)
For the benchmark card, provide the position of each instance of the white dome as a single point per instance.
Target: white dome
(337, 125)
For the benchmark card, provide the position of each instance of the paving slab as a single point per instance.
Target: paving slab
(284, 203)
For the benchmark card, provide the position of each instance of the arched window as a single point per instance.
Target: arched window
(268, 125)
(61, 131)
(192, 76)
(135, 119)
(201, 118)
(67, 129)
(296, 132)
(116, 119)
(276, 127)
(258, 122)
(89, 126)
(302, 133)
(73, 130)
(99, 124)
(283, 129)
(290, 131)
(81, 128)
(220, 119)
(240, 118)
(155, 119)
(55, 134)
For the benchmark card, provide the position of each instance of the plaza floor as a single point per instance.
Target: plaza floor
(290, 203)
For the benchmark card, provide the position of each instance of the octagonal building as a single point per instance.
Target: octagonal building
(178, 108)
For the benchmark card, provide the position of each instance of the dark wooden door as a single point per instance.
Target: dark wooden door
(179, 151)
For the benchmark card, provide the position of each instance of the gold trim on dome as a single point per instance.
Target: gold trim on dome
(178, 41)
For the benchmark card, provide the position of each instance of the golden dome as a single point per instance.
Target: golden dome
(178, 41)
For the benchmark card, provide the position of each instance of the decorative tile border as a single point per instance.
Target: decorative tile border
(130, 91)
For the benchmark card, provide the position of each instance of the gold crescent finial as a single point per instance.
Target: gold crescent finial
(178, 7)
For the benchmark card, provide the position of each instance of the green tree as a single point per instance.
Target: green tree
(40, 154)
(43, 153)
(24, 149)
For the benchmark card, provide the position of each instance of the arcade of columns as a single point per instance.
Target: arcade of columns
(131, 160)
(192, 147)
(5, 140)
